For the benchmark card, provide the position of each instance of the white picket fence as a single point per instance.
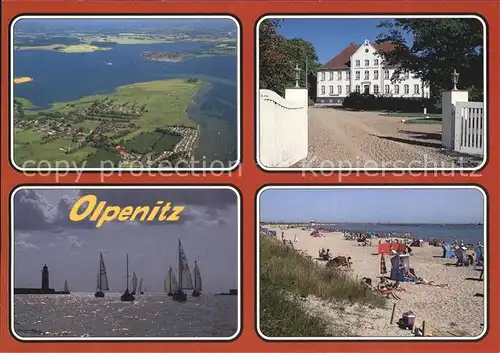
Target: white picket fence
(469, 127)
(283, 128)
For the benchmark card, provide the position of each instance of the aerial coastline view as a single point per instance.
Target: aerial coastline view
(372, 263)
(118, 92)
(135, 276)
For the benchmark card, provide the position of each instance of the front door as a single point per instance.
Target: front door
(367, 89)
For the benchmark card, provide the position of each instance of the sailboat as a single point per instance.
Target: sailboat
(127, 296)
(173, 286)
(197, 281)
(102, 279)
(139, 289)
(66, 287)
(185, 279)
(134, 283)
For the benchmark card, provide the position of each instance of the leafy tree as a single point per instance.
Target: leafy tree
(439, 46)
(303, 51)
(275, 66)
(278, 57)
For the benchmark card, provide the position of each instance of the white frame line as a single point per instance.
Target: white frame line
(380, 16)
(62, 16)
(104, 338)
(369, 338)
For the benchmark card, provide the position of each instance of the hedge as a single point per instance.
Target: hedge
(357, 101)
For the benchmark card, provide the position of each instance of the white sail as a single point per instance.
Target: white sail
(66, 287)
(185, 280)
(197, 278)
(173, 285)
(102, 282)
(134, 282)
(139, 289)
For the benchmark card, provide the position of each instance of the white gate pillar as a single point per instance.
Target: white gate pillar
(448, 104)
(301, 96)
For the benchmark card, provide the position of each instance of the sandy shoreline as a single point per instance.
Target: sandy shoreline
(453, 308)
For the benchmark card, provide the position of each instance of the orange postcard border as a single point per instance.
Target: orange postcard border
(248, 178)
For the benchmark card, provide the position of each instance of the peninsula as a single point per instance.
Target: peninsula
(205, 51)
(62, 48)
(142, 124)
(45, 286)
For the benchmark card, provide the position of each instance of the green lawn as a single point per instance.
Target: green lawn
(425, 121)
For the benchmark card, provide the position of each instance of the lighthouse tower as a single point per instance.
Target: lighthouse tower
(45, 279)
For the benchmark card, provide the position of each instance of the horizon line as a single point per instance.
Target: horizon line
(366, 222)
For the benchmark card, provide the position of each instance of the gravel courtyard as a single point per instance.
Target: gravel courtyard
(348, 139)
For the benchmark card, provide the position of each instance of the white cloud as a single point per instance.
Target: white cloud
(25, 245)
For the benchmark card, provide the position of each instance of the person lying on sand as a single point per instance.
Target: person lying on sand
(420, 280)
(382, 288)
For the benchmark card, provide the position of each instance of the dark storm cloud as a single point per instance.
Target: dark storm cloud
(32, 211)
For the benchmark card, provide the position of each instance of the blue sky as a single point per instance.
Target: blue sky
(331, 36)
(373, 205)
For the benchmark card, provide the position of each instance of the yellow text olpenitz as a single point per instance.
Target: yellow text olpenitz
(87, 207)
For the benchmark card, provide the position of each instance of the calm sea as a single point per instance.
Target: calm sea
(154, 315)
(468, 233)
(60, 77)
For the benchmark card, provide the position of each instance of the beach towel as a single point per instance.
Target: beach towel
(383, 267)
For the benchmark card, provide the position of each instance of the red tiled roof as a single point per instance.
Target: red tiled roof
(341, 61)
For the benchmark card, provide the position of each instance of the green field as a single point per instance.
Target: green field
(88, 124)
(103, 156)
(166, 102)
(27, 136)
(50, 151)
(160, 141)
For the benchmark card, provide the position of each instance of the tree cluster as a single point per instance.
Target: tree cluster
(438, 46)
(279, 56)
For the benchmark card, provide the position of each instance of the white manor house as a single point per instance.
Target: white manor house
(360, 68)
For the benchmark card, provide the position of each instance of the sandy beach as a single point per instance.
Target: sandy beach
(447, 311)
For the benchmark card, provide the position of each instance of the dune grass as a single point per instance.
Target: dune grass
(286, 276)
(285, 317)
